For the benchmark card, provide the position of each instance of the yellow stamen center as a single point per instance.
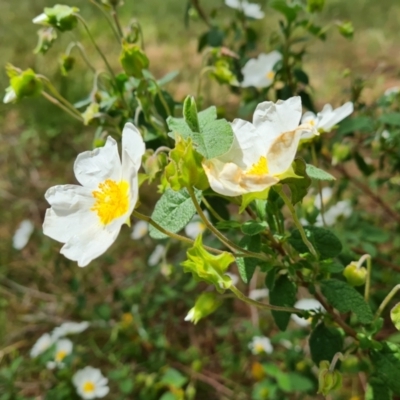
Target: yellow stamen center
(259, 348)
(311, 122)
(112, 200)
(61, 354)
(88, 387)
(270, 75)
(259, 168)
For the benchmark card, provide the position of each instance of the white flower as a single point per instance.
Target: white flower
(69, 328)
(258, 294)
(392, 90)
(341, 209)
(325, 120)
(251, 10)
(22, 234)
(260, 344)
(10, 95)
(41, 19)
(88, 218)
(156, 255)
(90, 383)
(261, 151)
(63, 349)
(306, 304)
(196, 226)
(326, 196)
(140, 230)
(385, 134)
(42, 344)
(259, 72)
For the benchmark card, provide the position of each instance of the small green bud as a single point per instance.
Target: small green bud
(190, 392)
(190, 113)
(346, 29)
(328, 381)
(26, 84)
(223, 74)
(90, 113)
(395, 316)
(60, 16)
(340, 152)
(47, 36)
(185, 167)
(66, 64)
(354, 275)
(133, 60)
(206, 267)
(314, 6)
(154, 163)
(205, 304)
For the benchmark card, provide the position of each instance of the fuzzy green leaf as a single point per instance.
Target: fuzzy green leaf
(283, 294)
(377, 390)
(300, 182)
(324, 343)
(324, 241)
(173, 211)
(318, 174)
(252, 228)
(248, 265)
(346, 299)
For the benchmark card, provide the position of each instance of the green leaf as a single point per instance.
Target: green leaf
(390, 119)
(248, 265)
(301, 76)
(324, 343)
(395, 316)
(216, 135)
(324, 241)
(289, 11)
(365, 168)
(299, 182)
(252, 228)
(174, 378)
(318, 174)
(387, 366)
(283, 294)
(190, 114)
(377, 390)
(178, 126)
(361, 124)
(173, 211)
(346, 299)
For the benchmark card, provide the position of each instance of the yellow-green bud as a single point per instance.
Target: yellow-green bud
(354, 275)
(341, 152)
(26, 84)
(223, 74)
(205, 304)
(60, 16)
(47, 36)
(315, 5)
(133, 59)
(66, 64)
(328, 381)
(154, 163)
(346, 29)
(90, 113)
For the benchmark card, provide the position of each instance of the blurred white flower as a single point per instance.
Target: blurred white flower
(10, 95)
(385, 134)
(258, 294)
(392, 90)
(325, 120)
(42, 344)
(196, 226)
(251, 10)
(341, 209)
(234, 278)
(63, 349)
(259, 72)
(327, 193)
(140, 230)
(306, 304)
(260, 344)
(88, 218)
(90, 383)
(156, 255)
(261, 152)
(22, 234)
(69, 328)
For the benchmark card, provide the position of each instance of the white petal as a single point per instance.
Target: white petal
(253, 10)
(233, 3)
(40, 19)
(190, 315)
(391, 90)
(140, 230)
(194, 229)
(70, 212)
(102, 391)
(94, 167)
(41, 345)
(90, 243)
(257, 294)
(68, 328)
(133, 146)
(10, 95)
(327, 193)
(330, 119)
(156, 255)
(255, 71)
(234, 278)
(306, 304)
(22, 234)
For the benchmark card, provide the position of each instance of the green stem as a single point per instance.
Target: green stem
(202, 72)
(366, 257)
(296, 221)
(62, 106)
(116, 20)
(83, 54)
(228, 243)
(211, 209)
(162, 98)
(386, 301)
(335, 359)
(265, 306)
(115, 31)
(315, 162)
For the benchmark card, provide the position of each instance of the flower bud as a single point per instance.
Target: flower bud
(354, 275)
(154, 163)
(60, 16)
(340, 152)
(25, 83)
(66, 64)
(206, 304)
(328, 381)
(47, 36)
(133, 60)
(90, 113)
(223, 74)
(315, 5)
(346, 29)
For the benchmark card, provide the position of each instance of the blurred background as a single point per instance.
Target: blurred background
(139, 310)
